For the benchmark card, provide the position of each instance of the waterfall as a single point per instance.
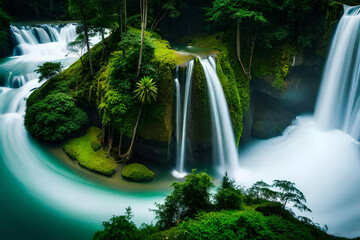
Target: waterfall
(224, 140)
(338, 103)
(180, 164)
(35, 45)
(225, 153)
(178, 119)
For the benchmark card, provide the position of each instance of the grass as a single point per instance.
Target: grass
(80, 149)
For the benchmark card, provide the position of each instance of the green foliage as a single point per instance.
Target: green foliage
(228, 196)
(289, 193)
(54, 118)
(81, 149)
(118, 228)
(261, 190)
(186, 200)
(138, 173)
(78, 46)
(49, 70)
(146, 90)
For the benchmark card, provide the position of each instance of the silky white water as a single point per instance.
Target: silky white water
(321, 154)
(43, 179)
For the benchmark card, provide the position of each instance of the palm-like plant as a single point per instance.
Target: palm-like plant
(146, 91)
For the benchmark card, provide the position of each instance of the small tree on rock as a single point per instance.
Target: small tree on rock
(49, 70)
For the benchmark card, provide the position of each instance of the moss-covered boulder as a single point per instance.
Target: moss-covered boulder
(95, 146)
(138, 173)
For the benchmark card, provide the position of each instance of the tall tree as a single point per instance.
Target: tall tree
(84, 10)
(146, 92)
(144, 12)
(239, 11)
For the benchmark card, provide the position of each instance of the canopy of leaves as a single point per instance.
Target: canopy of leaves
(228, 196)
(54, 118)
(49, 70)
(186, 200)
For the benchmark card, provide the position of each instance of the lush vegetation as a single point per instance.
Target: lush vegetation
(49, 70)
(137, 172)
(55, 117)
(86, 150)
(189, 213)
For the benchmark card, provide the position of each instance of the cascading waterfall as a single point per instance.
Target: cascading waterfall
(225, 153)
(179, 172)
(224, 140)
(178, 118)
(338, 104)
(34, 46)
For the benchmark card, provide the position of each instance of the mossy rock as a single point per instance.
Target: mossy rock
(70, 152)
(81, 149)
(95, 146)
(138, 173)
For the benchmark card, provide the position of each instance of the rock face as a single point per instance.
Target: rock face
(138, 173)
(271, 110)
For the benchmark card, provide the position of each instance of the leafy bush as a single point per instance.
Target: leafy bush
(186, 200)
(118, 228)
(228, 195)
(49, 70)
(54, 118)
(138, 173)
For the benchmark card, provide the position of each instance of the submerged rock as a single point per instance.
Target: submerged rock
(138, 173)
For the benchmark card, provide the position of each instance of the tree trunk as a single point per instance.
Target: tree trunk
(87, 42)
(111, 136)
(125, 157)
(143, 8)
(252, 50)
(103, 135)
(238, 47)
(120, 140)
(125, 16)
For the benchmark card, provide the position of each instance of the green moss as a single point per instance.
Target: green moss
(95, 145)
(81, 150)
(138, 173)
(272, 66)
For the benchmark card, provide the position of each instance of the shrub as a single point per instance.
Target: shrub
(138, 173)
(49, 70)
(186, 200)
(54, 118)
(228, 195)
(118, 228)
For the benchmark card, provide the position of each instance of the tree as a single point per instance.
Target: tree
(228, 196)
(78, 47)
(84, 10)
(289, 193)
(261, 190)
(49, 70)
(118, 228)
(238, 11)
(186, 200)
(146, 92)
(54, 118)
(168, 7)
(144, 12)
